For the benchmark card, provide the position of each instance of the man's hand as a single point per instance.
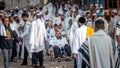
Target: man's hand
(46, 41)
(20, 43)
(20, 37)
(75, 56)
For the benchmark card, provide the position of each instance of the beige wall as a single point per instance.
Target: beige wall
(23, 3)
(41, 3)
(11, 4)
(8, 4)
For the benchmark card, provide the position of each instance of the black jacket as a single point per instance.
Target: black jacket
(8, 43)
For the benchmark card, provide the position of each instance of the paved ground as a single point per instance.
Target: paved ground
(47, 63)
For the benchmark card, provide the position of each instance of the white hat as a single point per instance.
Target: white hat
(101, 7)
(73, 9)
(114, 11)
(15, 15)
(60, 12)
(65, 8)
(40, 13)
(94, 14)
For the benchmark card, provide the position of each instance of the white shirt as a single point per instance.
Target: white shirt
(58, 42)
(37, 36)
(80, 37)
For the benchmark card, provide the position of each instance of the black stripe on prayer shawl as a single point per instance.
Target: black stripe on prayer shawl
(85, 56)
(117, 64)
(118, 25)
(85, 47)
(111, 65)
(84, 51)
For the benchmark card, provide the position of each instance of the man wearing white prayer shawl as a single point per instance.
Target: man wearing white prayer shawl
(12, 22)
(25, 36)
(1, 23)
(117, 65)
(37, 40)
(64, 22)
(14, 49)
(80, 36)
(97, 51)
(52, 32)
(56, 19)
(112, 28)
(74, 27)
(47, 15)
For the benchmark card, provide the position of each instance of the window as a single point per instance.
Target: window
(113, 3)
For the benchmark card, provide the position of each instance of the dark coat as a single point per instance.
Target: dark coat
(8, 43)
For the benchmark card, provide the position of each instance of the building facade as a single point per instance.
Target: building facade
(12, 4)
(112, 4)
(108, 4)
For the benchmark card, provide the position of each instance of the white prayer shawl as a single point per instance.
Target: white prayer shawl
(56, 20)
(65, 26)
(79, 39)
(72, 31)
(37, 36)
(67, 14)
(117, 58)
(103, 51)
(48, 16)
(32, 17)
(58, 42)
(81, 12)
(1, 23)
(97, 51)
(52, 33)
(2, 30)
(50, 9)
(25, 35)
(16, 28)
(49, 34)
(13, 24)
(76, 18)
(20, 13)
(54, 10)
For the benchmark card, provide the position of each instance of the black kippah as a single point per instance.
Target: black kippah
(81, 20)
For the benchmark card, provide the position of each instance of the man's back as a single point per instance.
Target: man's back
(100, 50)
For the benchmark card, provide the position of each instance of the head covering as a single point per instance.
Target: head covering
(60, 12)
(73, 9)
(94, 14)
(15, 15)
(101, 7)
(39, 13)
(99, 13)
(114, 11)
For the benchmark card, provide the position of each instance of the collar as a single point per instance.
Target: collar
(100, 33)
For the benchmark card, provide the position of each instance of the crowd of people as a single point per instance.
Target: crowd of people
(91, 38)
